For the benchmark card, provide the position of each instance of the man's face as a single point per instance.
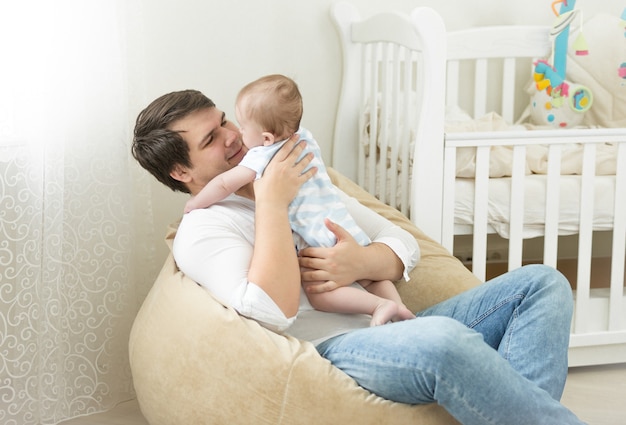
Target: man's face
(215, 146)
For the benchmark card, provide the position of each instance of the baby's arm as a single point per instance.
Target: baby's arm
(220, 187)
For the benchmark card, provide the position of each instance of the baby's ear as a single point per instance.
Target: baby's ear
(268, 138)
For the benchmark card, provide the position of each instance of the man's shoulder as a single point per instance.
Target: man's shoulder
(229, 207)
(233, 215)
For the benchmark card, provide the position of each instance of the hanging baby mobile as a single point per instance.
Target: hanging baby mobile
(558, 102)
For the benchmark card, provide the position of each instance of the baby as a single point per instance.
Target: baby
(269, 111)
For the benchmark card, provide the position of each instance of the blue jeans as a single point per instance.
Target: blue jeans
(496, 354)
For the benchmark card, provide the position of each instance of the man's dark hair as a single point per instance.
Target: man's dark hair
(159, 149)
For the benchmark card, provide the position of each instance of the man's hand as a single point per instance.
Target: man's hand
(284, 175)
(325, 269)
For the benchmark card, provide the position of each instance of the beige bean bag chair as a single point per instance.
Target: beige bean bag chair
(196, 361)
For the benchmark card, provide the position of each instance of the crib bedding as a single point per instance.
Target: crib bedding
(501, 157)
(458, 121)
(500, 171)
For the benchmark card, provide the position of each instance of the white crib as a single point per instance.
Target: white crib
(390, 137)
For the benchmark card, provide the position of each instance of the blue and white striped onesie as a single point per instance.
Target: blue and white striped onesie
(317, 198)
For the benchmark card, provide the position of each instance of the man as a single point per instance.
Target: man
(494, 354)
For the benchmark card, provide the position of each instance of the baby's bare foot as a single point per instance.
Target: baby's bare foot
(403, 314)
(385, 311)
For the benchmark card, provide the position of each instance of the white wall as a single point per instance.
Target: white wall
(217, 46)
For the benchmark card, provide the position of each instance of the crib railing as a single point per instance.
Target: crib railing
(391, 74)
(600, 313)
(477, 58)
(386, 53)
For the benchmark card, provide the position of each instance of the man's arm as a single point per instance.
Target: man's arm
(391, 255)
(274, 266)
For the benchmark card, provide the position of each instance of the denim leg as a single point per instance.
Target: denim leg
(437, 359)
(525, 315)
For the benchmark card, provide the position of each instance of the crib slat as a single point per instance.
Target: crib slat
(553, 192)
(516, 222)
(452, 83)
(449, 196)
(585, 239)
(409, 61)
(389, 173)
(395, 170)
(373, 113)
(508, 90)
(363, 71)
(616, 304)
(481, 200)
(480, 85)
(385, 112)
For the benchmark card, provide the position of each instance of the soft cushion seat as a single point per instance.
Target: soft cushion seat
(196, 361)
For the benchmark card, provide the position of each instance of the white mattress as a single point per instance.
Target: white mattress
(534, 204)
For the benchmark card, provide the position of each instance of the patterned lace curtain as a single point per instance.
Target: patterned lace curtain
(75, 261)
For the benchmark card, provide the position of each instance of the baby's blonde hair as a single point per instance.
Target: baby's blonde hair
(274, 102)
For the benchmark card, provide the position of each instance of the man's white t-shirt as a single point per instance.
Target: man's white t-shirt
(213, 246)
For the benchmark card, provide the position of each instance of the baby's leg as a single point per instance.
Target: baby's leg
(386, 289)
(356, 301)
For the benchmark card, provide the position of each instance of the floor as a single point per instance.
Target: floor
(597, 394)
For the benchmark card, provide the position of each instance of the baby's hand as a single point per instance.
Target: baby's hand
(190, 205)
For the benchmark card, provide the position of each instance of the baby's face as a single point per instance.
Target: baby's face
(251, 132)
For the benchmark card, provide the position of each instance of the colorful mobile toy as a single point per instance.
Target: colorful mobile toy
(559, 102)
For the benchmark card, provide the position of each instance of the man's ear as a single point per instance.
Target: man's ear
(180, 173)
(268, 138)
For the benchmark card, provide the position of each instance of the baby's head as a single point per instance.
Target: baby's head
(268, 110)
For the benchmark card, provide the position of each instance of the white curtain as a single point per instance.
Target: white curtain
(75, 260)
